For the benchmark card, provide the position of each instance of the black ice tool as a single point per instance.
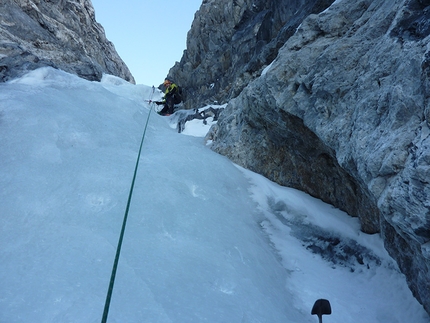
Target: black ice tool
(321, 307)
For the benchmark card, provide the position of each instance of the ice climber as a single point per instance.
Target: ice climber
(171, 97)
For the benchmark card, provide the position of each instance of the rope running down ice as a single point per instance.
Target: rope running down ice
(121, 237)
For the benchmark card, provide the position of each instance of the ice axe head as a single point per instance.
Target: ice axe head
(321, 307)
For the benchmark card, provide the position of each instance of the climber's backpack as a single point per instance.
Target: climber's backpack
(178, 95)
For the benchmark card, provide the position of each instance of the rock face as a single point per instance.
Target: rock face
(342, 113)
(59, 33)
(230, 42)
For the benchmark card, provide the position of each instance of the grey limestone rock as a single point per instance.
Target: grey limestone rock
(63, 34)
(230, 43)
(343, 114)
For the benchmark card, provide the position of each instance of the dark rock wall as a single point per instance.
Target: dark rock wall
(342, 113)
(230, 42)
(59, 33)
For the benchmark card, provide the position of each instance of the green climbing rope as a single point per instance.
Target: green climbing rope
(121, 236)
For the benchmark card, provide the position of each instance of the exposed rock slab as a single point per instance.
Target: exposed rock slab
(343, 114)
(59, 33)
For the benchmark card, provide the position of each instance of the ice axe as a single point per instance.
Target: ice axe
(321, 307)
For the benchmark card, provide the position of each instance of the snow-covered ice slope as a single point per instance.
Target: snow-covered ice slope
(205, 241)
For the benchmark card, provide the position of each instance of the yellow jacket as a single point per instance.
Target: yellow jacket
(172, 89)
